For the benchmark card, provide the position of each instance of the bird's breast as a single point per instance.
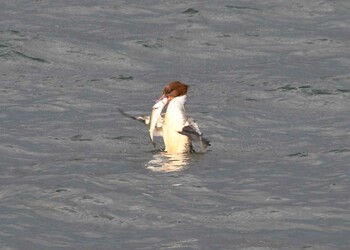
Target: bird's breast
(175, 142)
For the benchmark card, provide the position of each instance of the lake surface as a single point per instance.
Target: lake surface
(269, 87)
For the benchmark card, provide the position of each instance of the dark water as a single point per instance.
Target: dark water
(269, 86)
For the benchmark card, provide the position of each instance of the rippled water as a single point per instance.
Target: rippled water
(269, 86)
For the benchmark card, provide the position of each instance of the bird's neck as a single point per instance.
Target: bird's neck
(176, 109)
(177, 104)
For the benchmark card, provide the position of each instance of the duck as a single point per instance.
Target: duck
(178, 129)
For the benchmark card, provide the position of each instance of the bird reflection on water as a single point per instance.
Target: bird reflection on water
(164, 162)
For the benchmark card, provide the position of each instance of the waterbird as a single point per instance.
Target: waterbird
(177, 128)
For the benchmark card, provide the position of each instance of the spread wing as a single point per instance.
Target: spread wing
(191, 130)
(145, 119)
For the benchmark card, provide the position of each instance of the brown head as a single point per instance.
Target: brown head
(174, 89)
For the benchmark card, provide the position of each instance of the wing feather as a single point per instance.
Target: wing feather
(192, 130)
(145, 119)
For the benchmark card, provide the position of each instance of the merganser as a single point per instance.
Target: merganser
(177, 128)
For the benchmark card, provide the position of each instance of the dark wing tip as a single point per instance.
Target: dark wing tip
(121, 111)
(194, 135)
(137, 118)
(206, 142)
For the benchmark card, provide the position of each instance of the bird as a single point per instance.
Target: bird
(177, 128)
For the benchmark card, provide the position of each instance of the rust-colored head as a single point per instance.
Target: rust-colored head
(175, 89)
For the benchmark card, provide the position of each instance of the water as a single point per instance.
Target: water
(269, 86)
